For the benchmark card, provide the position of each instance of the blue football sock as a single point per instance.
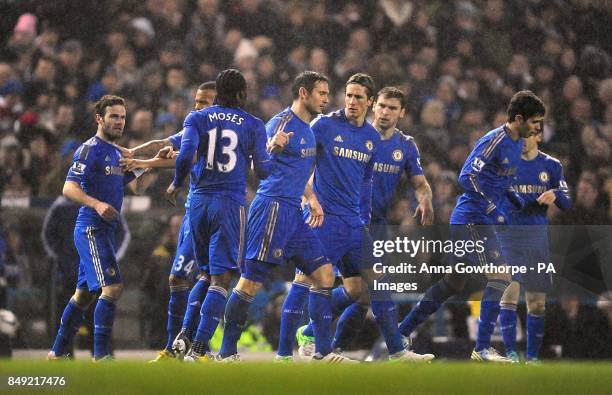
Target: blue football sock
(348, 325)
(236, 313)
(210, 315)
(535, 335)
(104, 316)
(319, 309)
(489, 311)
(434, 297)
(291, 314)
(507, 320)
(69, 325)
(385, 313)
(194, 304)
(340, 300)
(176, 310)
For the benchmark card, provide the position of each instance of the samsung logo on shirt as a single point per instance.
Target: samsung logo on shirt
(530, 188)
(225, 117)
(351, 154)
(113, 170)
(386, 168)
(306, 152)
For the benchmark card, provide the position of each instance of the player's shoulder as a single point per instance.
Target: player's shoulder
(86, 149)
(549, 160)
(248, 117)
(284, 116)
(497, 134)
(328, 118)
(404, 137)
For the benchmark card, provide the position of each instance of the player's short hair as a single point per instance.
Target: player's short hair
(307, 80)
(527, 104)
(392, 92)
(229, 84)
(208, 86)
(364, 80)
(107, 101)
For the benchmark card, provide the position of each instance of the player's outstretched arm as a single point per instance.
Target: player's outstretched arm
(423, 194)
(131, 164)
(147, 149)
(72, 190)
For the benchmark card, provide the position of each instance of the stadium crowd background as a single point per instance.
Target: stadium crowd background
(459, 62)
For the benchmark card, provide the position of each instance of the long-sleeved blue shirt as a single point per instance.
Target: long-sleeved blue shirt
(486, 177)
(533, 178)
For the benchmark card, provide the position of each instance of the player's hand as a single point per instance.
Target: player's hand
(131, 164)
(165, 153)
(425, 210)
(316, 213)
(106, 211)
(547, 197)
(126, 152)
(278, 142)
(171, 193)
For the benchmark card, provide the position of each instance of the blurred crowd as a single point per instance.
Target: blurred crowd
(459, 63)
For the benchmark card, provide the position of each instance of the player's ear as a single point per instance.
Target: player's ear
(402, 113)
(303, 92)
(99, 119)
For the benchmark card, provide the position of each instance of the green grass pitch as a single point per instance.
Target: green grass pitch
(129, 377)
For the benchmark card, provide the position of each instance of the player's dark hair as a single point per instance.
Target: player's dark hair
(208, 85)
(229, 84)
(392, 92)
(107, 101)
(527, 104)
(364, 80)
(307, 80)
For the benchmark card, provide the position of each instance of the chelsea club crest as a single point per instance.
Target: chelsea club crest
(544, 176)
(397, 155)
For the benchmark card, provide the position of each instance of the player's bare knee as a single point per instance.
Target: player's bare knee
(174, 281)
(511, 294)
(223, 280)
(83, 298)
(353, 287)
(112, 291)
(249, 287)
(536, 303)
(323, 277)
(302, 278)
(203, 276)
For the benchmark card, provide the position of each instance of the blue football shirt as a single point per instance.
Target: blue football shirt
(294, 164)
(97, 169)
(486, 177)
(224, 139)
(344, 165)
